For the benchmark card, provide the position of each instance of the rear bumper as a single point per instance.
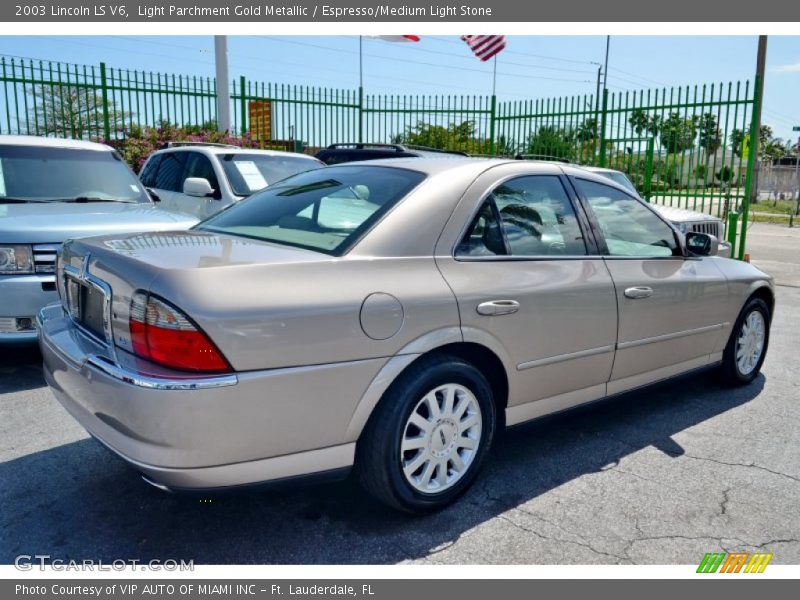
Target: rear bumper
(206, 433)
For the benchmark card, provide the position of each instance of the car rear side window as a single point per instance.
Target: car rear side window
(628, 226)
(171, 170)
(150, 170)
(326, 210)
(525, 216)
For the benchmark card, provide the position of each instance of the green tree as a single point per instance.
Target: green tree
(587, 131)
(678, 133)
(710, 137)
(725, 174)
(643, 123)
(456, 136)
(552, 142)
(73, 112)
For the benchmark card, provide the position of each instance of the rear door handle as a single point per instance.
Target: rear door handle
(498, 307)
(637, 293)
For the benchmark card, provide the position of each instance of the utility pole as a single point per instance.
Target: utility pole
(797, 171)
(605, 69)
(223, 90)
(755, 130)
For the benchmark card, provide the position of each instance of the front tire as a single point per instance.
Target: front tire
(427, 438)
(747, 347)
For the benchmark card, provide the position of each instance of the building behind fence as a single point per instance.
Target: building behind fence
(683, 146)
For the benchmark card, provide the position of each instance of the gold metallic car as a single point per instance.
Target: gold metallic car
(389, 316)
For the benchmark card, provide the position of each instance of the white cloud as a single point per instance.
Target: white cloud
(790, 68)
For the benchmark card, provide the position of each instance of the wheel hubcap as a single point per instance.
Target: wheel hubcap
(750, 343)
(441, 438)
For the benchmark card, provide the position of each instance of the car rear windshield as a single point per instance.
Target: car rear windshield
(326, 210)
(42, 174)
(621, 179)
(248, 173)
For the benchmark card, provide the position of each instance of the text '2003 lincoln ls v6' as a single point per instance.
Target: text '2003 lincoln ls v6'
(389, 316)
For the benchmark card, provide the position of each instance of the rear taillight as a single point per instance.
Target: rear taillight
(163, 334)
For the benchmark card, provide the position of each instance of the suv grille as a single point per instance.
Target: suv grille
(707, 227)
(44, 257)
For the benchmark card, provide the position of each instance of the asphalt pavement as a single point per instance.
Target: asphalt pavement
(660, 476)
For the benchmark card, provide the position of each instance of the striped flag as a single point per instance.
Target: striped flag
(398, 38)
(485, 46)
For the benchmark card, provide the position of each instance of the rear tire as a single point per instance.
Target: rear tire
(747, 347)
(427, 438)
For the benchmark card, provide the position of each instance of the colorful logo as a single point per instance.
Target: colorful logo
(736, 562)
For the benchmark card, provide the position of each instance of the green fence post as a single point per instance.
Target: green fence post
(492, 117)
(242, 105)
(648, 169)
(751, 165)
(733, 221)
(104, 94)
(360, 114)
(603, 129)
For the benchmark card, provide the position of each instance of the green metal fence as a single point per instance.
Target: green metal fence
(682, 146)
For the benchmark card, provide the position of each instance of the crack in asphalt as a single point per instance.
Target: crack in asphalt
(561, 540)
(734, 464)
(723, 506)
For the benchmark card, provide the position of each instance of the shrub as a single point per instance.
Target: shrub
(141, 142)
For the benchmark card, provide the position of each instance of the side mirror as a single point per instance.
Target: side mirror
(197, 186)
(702, 244)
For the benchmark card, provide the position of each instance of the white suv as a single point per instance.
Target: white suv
(201, 179)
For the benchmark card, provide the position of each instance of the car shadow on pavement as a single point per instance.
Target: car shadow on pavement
(78, 501)
(20, 369)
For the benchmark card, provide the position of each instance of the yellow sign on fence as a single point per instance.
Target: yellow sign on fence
(260, 115)
(746, 147)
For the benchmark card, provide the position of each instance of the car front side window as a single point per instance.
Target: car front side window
(198, 165)
(628, 226)
(525, 216)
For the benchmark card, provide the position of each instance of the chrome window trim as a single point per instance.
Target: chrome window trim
(160, 383)
(525, 258)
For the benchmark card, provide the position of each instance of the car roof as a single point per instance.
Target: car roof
(465, 164)
(47, 142)
(217, 150)
(599, 169)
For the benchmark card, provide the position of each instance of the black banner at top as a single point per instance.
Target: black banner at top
(344, 11)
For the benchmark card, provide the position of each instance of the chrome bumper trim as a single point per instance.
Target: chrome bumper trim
(159, 383)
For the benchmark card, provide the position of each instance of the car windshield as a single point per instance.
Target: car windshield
(42, 174)
(325, 210)
(248, 173)
(621, 179)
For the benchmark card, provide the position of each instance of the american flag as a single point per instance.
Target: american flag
(398, 38)
(485, 46)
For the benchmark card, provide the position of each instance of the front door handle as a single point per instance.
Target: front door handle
(498, 307)
(637, 293)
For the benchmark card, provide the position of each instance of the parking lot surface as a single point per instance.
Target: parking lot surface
(659, 476)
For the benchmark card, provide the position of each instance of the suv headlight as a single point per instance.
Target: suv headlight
(16, 259)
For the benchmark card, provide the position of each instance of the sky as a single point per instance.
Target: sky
(531, 67)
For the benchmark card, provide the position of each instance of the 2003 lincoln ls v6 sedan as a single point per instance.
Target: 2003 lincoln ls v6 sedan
(390, 316)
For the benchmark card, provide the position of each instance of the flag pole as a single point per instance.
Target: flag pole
(360, 89)
(494, 76)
